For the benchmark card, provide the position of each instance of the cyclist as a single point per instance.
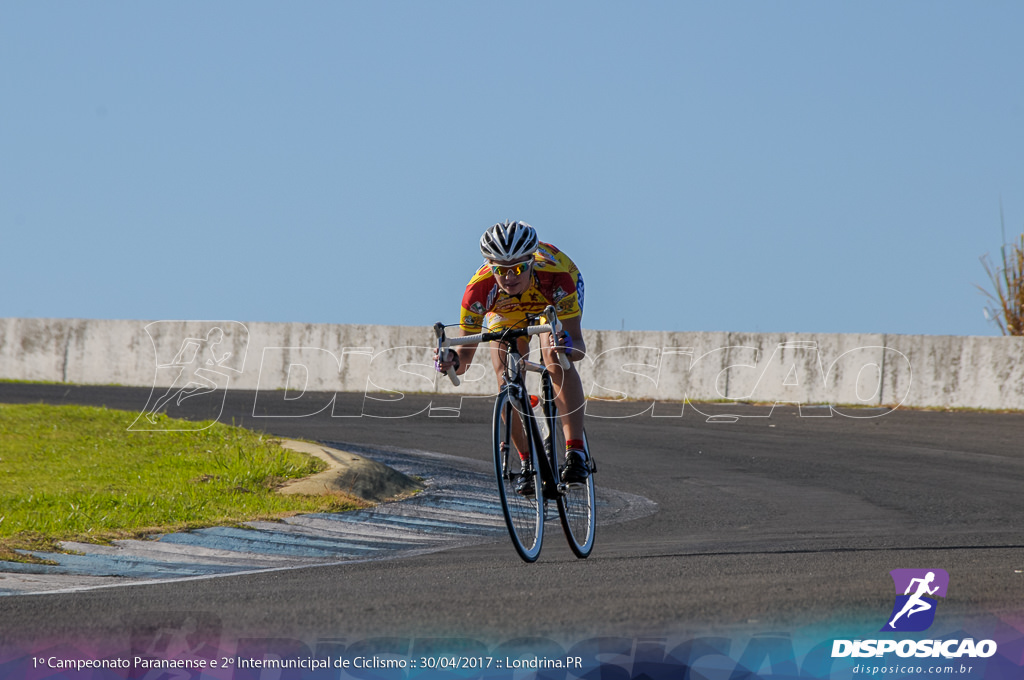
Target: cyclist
(520, 277)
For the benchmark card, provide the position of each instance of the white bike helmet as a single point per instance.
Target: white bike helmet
(509, 241)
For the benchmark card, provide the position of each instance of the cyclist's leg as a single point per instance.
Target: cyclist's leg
(569, 395)
(569, 398)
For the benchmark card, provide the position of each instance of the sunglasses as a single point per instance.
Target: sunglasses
(513, 269)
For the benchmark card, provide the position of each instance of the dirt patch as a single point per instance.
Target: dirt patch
(349, 474)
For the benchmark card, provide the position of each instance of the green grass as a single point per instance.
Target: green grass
(16, 381)
(77, 473)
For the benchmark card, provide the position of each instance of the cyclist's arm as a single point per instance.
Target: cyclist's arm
(458, 358)
(465, 352)
(573, 327)
(471, 317)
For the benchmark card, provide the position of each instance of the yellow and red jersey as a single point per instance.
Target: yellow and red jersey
(556, 281)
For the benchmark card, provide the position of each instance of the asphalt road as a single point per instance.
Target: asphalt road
(772, 520)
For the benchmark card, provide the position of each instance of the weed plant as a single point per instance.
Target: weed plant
(1007, 295)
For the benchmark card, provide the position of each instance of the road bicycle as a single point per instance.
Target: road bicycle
(540, 438)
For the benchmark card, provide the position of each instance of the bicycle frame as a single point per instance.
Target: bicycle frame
(515, 386)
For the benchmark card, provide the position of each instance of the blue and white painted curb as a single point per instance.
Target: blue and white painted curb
(458, 507)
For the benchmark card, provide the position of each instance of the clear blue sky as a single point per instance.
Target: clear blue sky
(712, 166)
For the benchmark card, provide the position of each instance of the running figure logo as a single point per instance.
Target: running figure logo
(916, 589)
(193, 359)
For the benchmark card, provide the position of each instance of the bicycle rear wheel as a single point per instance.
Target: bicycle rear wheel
(524, 514)
(576, 504)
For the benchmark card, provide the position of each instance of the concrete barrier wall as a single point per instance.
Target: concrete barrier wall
(656, 369)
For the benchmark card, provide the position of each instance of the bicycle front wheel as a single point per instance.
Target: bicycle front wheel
(519, 482)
